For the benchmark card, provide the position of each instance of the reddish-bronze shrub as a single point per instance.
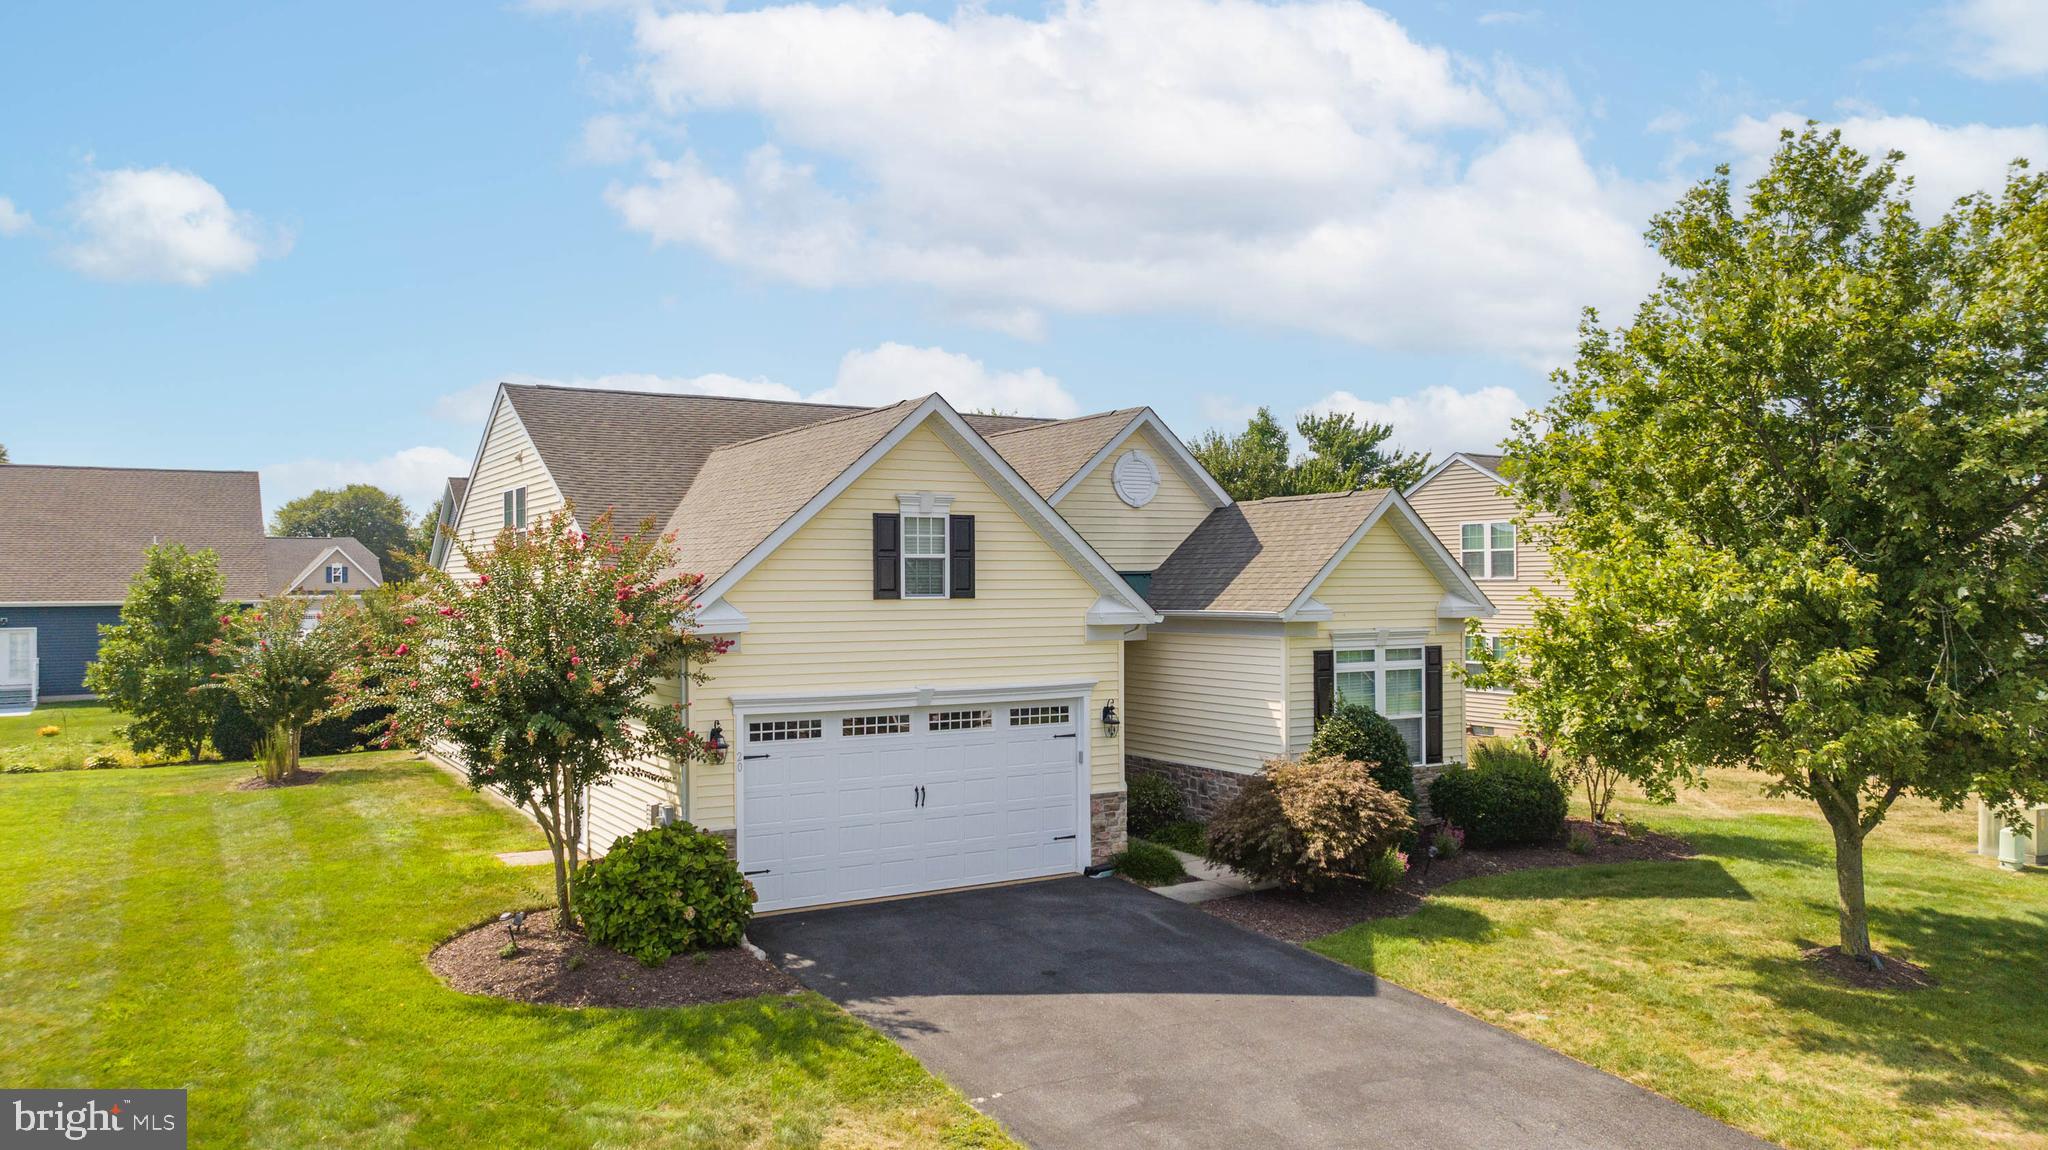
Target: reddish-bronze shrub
(1305, 823)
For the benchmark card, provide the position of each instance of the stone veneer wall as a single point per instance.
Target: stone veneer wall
(1203, 790)
(1108, 823)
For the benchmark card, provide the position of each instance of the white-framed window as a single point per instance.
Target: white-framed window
(1041, 716)
(337, 572)
(924, 556)
(1389, 679)
(515, 508)
(1497, 645)
(1488, 549)
(784, 730)
(854, 726)
(959, 720)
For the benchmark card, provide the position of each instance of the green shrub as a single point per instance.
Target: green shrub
(1191, 837)
(1580, 843)
(1386, 870)
(1154, 803)
(1309, 822)
(1507, 797)
(664, 891)
(235, 734)
(1359, 733)
(1148, 863)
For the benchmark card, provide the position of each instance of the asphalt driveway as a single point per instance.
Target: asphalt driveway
(1090, 1013)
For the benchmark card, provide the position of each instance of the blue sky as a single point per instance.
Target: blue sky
(307, 238)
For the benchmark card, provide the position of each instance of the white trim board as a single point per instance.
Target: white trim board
(1177, 452)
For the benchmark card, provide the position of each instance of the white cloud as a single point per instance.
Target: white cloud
(1946, 161)
(891, 372)
(417, 475)
(2001, 39)
(1301, 165)
(896, 371)
(166, 225)
(1438, 419)
(13, 220)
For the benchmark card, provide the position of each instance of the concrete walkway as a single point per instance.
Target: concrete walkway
(1087, 1013)
(1211, 881)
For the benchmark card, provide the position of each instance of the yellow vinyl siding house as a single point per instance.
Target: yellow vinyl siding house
(921, 646)
(943, 659)
(1276, 610)
(1466, 495)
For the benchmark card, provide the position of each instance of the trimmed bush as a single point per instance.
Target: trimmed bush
(1191, 837)
(1148, 863)
(664, 891)
(1507, 797)
(1307, 823)
(1154, 803)
(1386, 870)
(1357, 732)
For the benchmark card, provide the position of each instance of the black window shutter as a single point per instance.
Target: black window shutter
(888, 547)
(1326, 685)
(1433, 704)
(961, 530)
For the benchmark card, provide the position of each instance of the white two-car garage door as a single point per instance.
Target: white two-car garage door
(863, 804)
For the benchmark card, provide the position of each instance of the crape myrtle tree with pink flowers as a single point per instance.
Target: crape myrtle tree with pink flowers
(540, 672)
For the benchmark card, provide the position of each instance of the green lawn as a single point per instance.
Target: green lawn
(83, 729)
(1685, 977)
(264, 950)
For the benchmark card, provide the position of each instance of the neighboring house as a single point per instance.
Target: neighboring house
(938, 619)
(1466, 502)
(450, 511)
(923, 645)
(318, 568)
(1279, 609)
(71, 539)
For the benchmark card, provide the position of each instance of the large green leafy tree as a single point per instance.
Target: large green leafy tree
(541, 673)
(421, 543)
(1804, 493)
(1343, 455)
(154, 662)
(375, 517)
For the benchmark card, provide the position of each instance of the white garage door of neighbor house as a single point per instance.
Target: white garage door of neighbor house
(853, 805)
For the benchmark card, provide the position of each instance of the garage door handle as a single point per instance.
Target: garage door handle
(1063, 838)
(1068, 735)
(762, 755)
(763, 870)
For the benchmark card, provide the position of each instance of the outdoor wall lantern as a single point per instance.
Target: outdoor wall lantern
(1109, 719)
(714, 742)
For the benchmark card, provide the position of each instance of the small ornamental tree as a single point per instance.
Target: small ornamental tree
(154, 662)
(1806, 491)
(540, 673)
(282, 674)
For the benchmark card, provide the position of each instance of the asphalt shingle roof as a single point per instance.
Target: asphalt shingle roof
(76, 534)
(1259, 556)
(290, 555)
(1048, 454)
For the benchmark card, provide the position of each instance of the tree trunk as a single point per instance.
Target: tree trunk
(550, 819)
(1853, 916)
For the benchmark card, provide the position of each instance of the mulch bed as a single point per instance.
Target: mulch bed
(1297, 918)
(297, 778)
(563, 968)
(1898, 974)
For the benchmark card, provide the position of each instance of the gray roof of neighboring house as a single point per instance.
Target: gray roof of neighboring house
(76, 534)
(729, 509)
(1048, 454)
(1489, 461)
(291, 555)
(1258, 557)
(637, 452)
(458, 486)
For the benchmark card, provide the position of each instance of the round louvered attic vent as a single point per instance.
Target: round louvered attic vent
(1135, 478)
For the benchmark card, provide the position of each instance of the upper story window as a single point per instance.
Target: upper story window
(1499, 646)
(1488, 549)
(515, 508)
(337, 573)
(924, 556)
